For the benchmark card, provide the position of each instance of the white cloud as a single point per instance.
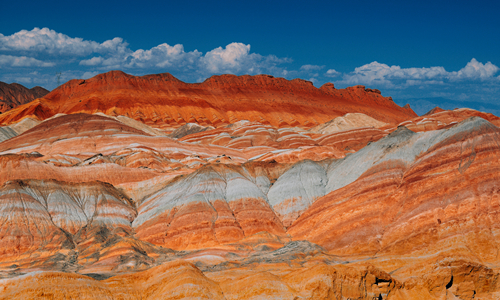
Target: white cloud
(49, 42)
(94, 61)
(88, 75)
(314, 80)
(376, 73)
(475, 70)
(22, 61)
(232, 57)
(31, 57)
(235, 58)
(45, 47)
(161, 56)
(332, 73)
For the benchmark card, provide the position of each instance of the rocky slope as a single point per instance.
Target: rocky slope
(108, 207)
(14, 94)
(163, 101)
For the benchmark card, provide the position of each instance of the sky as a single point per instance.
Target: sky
(425, 53)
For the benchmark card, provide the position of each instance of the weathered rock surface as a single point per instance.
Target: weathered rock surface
(187, 129)
(83, 134)
(297, 189)
(14, 94)
(227, 205)
(108, 206)
(430, 192)
(438, 119)
(177, 280)
(163, 101)
(42, 217)
(6, 133)
(268, 280)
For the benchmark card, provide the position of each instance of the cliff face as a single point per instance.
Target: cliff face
(14, 94)
(163, 101)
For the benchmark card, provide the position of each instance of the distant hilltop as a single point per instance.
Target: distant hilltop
(14, 94)
(162, 101)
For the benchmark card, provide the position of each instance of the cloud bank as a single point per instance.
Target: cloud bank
(47, 48)
(394, 76)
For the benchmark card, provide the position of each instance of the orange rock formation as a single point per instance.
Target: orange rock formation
(244, 200)
(163, 101)
(14, 94)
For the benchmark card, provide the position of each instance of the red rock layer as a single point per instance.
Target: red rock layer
(405, 227)
(447, 200)
(434, 110)
(13, 95)
(164, 101)
(19, 167)
(245, 134)
(176, 280)
(83, 134)
(227, 207)
(297, 144)
(182, 280)
(438, 118)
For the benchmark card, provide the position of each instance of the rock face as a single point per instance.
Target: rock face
(163, 101)
(14, 94)
(49, 218)
(254, 206)
(228, 205)
(6, 133)
(418, 197)
(439, 119)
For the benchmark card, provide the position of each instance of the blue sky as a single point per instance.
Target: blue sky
(426, 53)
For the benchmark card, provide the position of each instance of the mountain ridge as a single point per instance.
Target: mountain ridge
(164, 102)
(15, 94)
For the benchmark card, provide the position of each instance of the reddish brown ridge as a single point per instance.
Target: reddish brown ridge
(162, 100)
(14, 94)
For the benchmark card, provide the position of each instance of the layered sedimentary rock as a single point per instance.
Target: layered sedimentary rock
(82, 134)
(438, 119)
(46, 218)
(109, 206)
(435, 191)
(163, 101)
(297, 189)
(14, 94)
(288, 144)
(264, 276)
(181, 280)
(227, 205)
(6, 133)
